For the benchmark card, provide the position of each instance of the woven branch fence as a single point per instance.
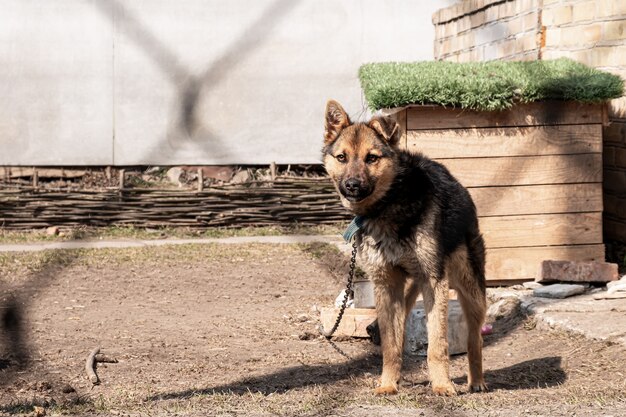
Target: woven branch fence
(284, 201)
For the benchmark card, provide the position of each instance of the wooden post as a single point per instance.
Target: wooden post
(122, 176)
(605, 115)
(200, 179)
(35, 178)
(273, 170)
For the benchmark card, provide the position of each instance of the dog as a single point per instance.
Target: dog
(418, 234)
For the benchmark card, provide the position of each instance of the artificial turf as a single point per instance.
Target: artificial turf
(493, 85)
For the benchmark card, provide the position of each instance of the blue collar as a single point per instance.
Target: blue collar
(354, 226)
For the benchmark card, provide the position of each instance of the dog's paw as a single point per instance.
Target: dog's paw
(478, 387)
(446, 390)
(388, 390)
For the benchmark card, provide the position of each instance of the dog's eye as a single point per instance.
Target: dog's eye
(370, 159)
(341, 157)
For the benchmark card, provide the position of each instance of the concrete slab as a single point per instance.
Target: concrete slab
(595, 319)
(610, 326)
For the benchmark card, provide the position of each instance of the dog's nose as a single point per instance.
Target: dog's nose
(353, 184)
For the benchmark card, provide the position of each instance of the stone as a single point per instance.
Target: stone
(559, 290)
(364, 294)
(605, 295)
(531, 285)
(241, 177)
(219, 173)
(569, 271)
(503, 308)
(174, 174)
(620, 282)
(416, 336)
(152, 170)
(618, 286)
(52, 231)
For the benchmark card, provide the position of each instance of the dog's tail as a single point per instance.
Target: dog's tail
(476, 254)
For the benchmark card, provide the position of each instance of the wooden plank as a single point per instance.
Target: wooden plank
(541, 230)
(546, 113)
(544, 199)
(523, 263)
(526, 170)
(354, 322)
(509, 141)
(615, 134)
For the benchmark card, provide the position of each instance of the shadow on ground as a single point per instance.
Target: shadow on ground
(536, 373)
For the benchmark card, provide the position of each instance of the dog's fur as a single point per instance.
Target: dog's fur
(419, 235)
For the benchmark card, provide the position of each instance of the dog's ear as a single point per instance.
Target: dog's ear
(387, 128)
(336, 120)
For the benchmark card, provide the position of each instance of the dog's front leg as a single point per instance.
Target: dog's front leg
(436, 296)
(390, 309)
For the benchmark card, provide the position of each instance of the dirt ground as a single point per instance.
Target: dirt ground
(231, 330)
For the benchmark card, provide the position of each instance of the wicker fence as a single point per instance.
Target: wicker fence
(284, 201)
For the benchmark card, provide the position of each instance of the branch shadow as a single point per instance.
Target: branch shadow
(192, 87)
(15, 347)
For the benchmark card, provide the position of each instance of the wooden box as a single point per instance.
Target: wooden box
(534, 172)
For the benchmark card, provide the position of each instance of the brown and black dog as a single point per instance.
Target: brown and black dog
(418, 234)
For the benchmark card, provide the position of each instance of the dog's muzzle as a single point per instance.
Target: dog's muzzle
(354, 190)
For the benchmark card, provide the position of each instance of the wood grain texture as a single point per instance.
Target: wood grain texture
(524, 263)
(547, 113)
(354, 322)
(615, 134)
(537, 199)
(542, 230)
(508, 141)
(526, 170)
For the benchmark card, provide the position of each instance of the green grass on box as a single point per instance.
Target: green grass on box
(494, 85)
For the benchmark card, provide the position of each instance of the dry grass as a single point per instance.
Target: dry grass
(114, 232)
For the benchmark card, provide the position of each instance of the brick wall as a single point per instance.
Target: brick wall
(589, 31)
(488, 29)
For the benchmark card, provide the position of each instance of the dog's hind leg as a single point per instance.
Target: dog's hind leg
(436, 295)
(470, 288)
(390, 308)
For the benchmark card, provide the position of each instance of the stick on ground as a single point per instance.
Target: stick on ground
(102, 358)
(90, 366)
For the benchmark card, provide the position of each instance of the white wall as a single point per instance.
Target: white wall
(161, 82)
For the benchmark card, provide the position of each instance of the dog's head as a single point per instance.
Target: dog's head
(359, 157)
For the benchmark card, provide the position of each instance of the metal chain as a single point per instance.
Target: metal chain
(342, 310)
